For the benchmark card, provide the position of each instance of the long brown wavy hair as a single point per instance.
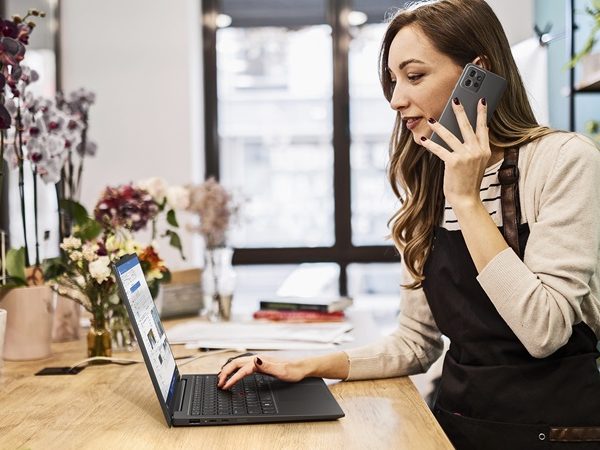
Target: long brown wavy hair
(463, 30)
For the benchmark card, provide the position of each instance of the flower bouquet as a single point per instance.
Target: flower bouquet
(126, 209)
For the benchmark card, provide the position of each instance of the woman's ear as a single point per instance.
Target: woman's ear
(482, 61)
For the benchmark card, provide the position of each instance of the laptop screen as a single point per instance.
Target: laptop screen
(151, 331)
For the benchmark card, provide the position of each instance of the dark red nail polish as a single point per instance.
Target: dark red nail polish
(423, 138)
(431, 120)
(456, 101)
(483, 101)
(258, 361)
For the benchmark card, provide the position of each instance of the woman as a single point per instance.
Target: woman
(523, 319)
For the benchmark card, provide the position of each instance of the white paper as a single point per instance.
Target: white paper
(242, 346)
(248, 333)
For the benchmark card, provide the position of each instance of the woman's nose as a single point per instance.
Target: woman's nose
(399, 101)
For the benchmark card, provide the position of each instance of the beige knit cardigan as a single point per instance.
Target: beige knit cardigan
(540, 298)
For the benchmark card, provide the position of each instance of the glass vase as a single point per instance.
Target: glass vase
(218, 283)
(123, 336)
(99, 339)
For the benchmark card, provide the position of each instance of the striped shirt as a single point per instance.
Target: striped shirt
(490, 196)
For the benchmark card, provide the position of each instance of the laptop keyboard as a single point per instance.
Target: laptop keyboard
(250, 396)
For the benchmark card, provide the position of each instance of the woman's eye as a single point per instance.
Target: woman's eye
(414, 77)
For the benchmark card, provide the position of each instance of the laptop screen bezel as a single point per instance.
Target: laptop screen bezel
(166, 406)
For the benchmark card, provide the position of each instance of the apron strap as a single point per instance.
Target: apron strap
(508, 176)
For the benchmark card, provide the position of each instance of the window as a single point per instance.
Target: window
(371, 122)
(296, 122)
(275, 133)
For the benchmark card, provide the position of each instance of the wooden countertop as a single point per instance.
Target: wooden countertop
(112, 406)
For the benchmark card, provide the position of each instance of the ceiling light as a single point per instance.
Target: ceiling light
(356, 18)
(223, 20)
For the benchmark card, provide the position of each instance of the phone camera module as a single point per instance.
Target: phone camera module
(468, 83)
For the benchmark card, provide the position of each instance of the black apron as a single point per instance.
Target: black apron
(493, 394)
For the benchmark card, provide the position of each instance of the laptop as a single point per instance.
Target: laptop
(194, 399)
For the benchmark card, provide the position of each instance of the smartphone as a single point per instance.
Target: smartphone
(474, 83)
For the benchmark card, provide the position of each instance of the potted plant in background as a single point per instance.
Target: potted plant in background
(27, 300)
(76, 109)
(215, 208)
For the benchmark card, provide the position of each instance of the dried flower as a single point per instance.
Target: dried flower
(215, 208)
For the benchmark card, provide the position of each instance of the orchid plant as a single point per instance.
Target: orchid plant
(14, 78)
(76, 105)
(45, 136)
(14, 36)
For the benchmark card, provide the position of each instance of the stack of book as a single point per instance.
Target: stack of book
(303, 309)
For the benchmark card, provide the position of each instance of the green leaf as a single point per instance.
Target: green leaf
(53, 268)
(175, 241)
(587, 46)
(11, 283)
(15, 264)
(172, 219)
(166, 278)
(89, 229)
(75, 211)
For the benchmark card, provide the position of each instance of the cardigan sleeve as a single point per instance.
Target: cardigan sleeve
(541, 297)
(411, 349)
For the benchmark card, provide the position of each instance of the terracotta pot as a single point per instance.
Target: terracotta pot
(66, 320)
(28, 323)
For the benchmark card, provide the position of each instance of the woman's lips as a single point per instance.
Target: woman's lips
(411, 123)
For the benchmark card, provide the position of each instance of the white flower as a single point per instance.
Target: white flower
(76, 256)
(178, 197)
(156, 187)
(70, 242)
(100, 269)
(89, 252)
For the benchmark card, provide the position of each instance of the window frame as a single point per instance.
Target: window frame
(343, 252)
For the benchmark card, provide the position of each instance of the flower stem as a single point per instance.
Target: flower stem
(82, 158)
(18, 126)
(35, 217)
(71, 180)
(216, 294)
(57, 188)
